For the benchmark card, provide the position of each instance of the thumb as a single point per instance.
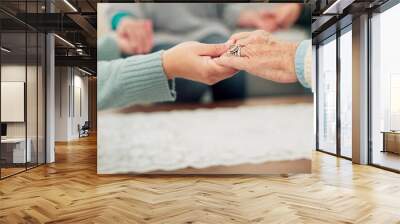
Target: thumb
(213, 50)
(238, 63)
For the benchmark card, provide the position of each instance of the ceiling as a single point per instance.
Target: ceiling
(73, 21)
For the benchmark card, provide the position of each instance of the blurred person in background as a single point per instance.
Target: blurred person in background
(145, 27)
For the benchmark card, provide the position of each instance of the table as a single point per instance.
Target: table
(391, 141)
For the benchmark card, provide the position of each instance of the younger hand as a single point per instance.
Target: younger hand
(193, 60)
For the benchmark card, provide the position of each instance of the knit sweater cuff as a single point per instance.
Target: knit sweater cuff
(143, 80)
(308, 74)
(116, 19)
(303, 63)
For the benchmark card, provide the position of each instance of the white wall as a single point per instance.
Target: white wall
(68, 82)
(80, 83)
(62, 81)
(15, 72)
(34, 125)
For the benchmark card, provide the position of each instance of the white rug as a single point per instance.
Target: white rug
(143, 142)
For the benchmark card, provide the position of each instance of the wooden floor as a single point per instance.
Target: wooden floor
(386, 159)
(69, 191)
(5, 172)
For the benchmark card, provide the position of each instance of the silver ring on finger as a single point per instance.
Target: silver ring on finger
(235, 50)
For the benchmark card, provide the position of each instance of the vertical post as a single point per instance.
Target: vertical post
(26, 105)
(360, 90)
(316, 102)
(50, 93)
(1, 165)
(338, 98)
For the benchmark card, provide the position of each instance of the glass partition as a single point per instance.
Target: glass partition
(41, 97)
(23, 89)
(31, 100)
(385, 89)
(327, 95)
(346, 92)
(14, 151)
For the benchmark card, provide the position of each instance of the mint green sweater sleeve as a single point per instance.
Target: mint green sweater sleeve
(136, 79)
(125, 81)
(303, 63)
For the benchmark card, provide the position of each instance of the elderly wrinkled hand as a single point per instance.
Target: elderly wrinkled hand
(263, 56)
(195, 61)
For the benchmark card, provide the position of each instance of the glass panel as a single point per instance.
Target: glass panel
(41, 99)
(23, 90)
(13, 86)
(386, 89)
(394, 102)
(346, 94)
(31, 88)
(327, 96)
(31, 100)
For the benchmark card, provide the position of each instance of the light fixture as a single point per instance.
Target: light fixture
(5, 50)
(64, 40)
(337, 7)
(331, 7)
(84, 71)
(80, 51)
(70, 5)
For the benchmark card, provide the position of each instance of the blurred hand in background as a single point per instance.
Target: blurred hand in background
(260, 19)
(287, 14)
(271, 20)
(135, 36)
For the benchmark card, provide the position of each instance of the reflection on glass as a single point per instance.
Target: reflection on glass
(386, 89)
(346, 94)
(22, 91)
(14, 150)
(31, 100)
(41, 99)
(395, 102)
(327, 96)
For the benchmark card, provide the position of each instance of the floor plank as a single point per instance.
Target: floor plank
(70, 191)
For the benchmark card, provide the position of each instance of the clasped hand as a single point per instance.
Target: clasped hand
(261, 55)
(196, 61)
